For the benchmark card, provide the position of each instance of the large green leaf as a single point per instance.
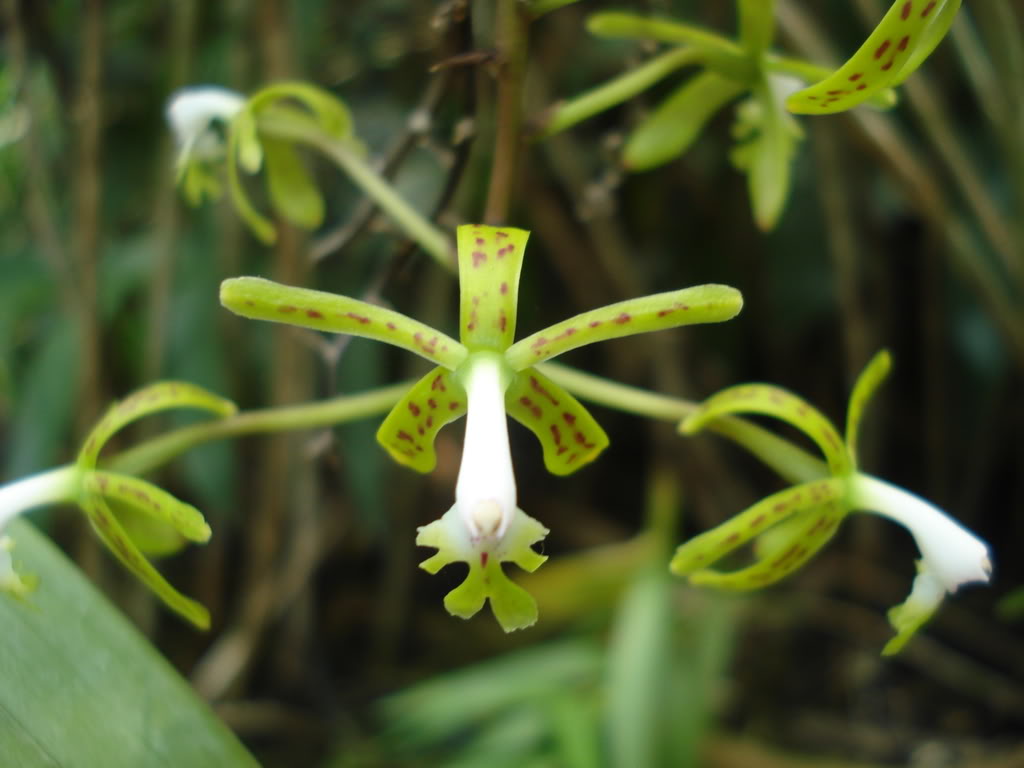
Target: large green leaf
(82, 688)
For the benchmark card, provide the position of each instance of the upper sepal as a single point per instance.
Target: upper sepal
(490, 259)
(409, 431)
(513, 607)
(699, 304)
(570, 436)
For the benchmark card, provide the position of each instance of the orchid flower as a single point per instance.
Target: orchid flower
(798, 521)
(128, 514)
(485, 376)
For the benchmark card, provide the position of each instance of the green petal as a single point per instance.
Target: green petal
(149, 500)
(292, 192)
(700, 304)
(243, 147)
(330, 112)
(908, 617)
(568, 433)
(670, 130)
(119, 542)
(706, 549)
(774, 401)
(409, 431)
(156, 397)
(513, 607)
(868, 381)
(490, 259)
(260, 299)
(809, 533)
(882, 60)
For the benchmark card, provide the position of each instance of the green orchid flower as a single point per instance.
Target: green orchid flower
(485, 376)
(797, 522)
(130, 515)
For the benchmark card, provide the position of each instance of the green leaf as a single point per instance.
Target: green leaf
(864, 388)
(83, 688)
(677, 122)
(490, 259)
(156, 397)
(292, 192)
(260, 299)
(904, 37)
(409, 431)
(699, 304)
(570, 436)
(147, 499)
(121, 545)
(774, 401)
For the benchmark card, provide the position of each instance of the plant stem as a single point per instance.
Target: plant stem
(411, 221)
(51, 487)
(510, 36)
(152, 453)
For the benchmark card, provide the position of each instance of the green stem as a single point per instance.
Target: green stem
(757, 26)
(152, 453)
(411, 221)
(791, 462)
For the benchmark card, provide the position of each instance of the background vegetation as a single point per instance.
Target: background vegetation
(903, 230)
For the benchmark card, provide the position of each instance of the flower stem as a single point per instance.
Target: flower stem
(411, 221)
(51, 487)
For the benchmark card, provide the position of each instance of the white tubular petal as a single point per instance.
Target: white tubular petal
(952, 554)
(485, 493)
(51, 487)
(191, 110)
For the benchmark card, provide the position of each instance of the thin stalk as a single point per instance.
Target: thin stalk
(55, 486)
(411, 221)
(510, 36)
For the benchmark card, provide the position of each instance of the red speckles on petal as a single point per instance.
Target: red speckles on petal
(361, 319)
(595, 323)
(501, 235)
(733, 538)
(623, 318)
(483, 559)
(391, 326)
(580, 438)
(565, 334)
(480, 241)
(403, 435)
(757, 521)
(927, 10)
(414, 409)
(504, 288)
(880, 51)
(432, 404)
(556, 434)
(856, 76)
(453, 405)
(539, 389)
(532, 407)
(438, 383)
(479, 257)
(862, 86)
(502, 321)
(540, 342)
(313, 314)
(568, 418)
(903, 43)
(907, 8)
(286, 309)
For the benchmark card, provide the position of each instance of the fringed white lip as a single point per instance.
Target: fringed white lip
(190, 112)
(485, 493)
(952, 555)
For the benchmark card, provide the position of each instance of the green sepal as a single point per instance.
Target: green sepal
(117, 540)
(767, 142)
(490, 259)
(863, 389)
(153, 537)
(147, 499)
(330, 113)
(704, 550)
(156, 397)
(409, 431)
(292, 192)
(260, 299)
(670, 130)
(570, 436)
(909, 616)
(886, 58)
(757, 25)
(244, 149)
(513, 607)
(780, 403)
(699, 304)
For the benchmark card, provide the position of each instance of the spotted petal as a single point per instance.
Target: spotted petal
(513, 607)
(409, 431)
(149, 500)
(119, 542)
(868, 381)
(777, 402)
(901, 41)
(260, 299)
(490, 259)
(810, 513)
(156, 397)
(699, 304)
(569, 434)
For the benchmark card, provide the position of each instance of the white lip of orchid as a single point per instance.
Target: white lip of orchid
(51, 487)
(190, 112)
(485, 493)
(951, 554)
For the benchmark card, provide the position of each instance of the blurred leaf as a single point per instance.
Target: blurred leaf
(677, 122)
(1011, 606)
(83, 688)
